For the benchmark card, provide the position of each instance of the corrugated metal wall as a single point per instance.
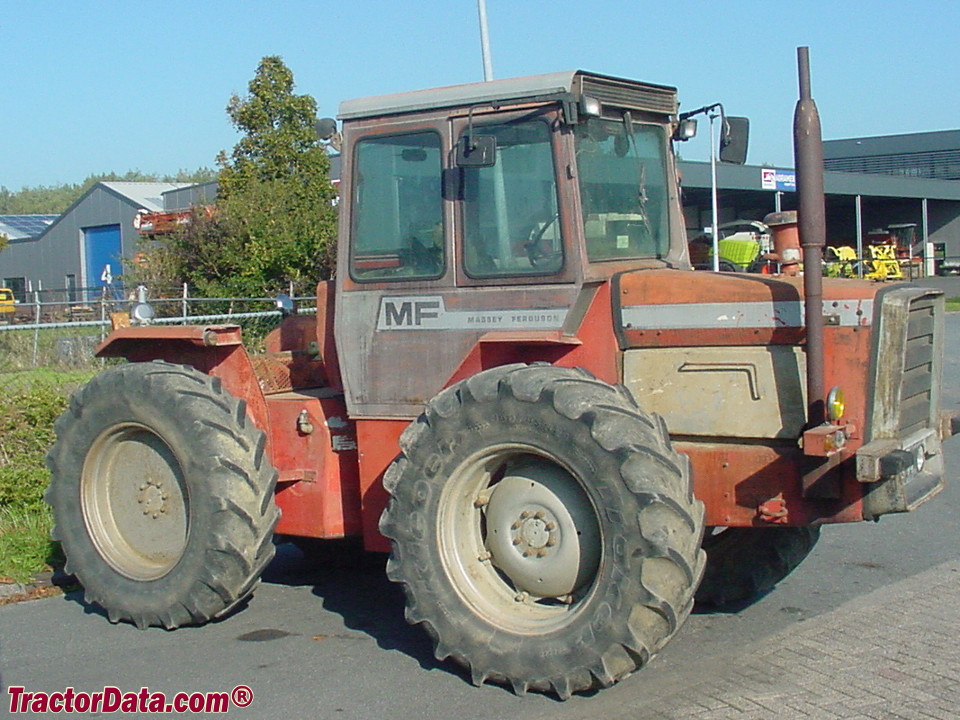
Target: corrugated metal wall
(48, 261)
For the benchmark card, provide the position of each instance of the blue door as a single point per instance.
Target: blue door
(102, 249)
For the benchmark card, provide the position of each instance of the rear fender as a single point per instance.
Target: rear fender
(216, 350)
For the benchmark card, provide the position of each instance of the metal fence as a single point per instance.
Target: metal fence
(54, 333)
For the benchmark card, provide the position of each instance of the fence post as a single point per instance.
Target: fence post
(103, 315)
(184, 304)
(36, 330)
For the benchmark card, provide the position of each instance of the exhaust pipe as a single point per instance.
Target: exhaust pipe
(811, 216)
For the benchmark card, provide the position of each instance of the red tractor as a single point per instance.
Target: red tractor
(519, 388)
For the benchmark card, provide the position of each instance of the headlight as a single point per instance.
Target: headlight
(835, 404)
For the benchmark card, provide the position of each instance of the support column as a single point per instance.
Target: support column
(859, 208)
(929, 263)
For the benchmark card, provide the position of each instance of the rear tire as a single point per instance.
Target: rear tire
(543, 528)
(162, 495)
(744, 563)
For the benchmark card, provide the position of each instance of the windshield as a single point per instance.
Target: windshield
(623, 189)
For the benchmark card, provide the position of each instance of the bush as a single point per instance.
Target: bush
(30, 402)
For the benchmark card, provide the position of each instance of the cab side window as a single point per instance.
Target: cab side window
(397, 213)
(511, 217)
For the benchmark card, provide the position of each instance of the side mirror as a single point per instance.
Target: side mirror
(477, 151)
(733, 140)
(325, 128)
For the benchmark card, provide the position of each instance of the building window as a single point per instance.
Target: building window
(19, 287)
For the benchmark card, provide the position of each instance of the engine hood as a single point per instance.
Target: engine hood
(667, 308)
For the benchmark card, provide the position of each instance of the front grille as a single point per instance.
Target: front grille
(916, 389)
(908, 333)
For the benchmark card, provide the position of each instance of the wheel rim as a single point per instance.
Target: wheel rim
(520, 539)
(135, 505)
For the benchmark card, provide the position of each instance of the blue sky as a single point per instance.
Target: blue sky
(113, 86)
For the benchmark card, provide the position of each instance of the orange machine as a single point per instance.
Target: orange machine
(516, 385)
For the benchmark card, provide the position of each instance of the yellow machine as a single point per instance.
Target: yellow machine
(8, 305)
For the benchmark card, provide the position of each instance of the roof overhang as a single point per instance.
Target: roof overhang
(629, 94)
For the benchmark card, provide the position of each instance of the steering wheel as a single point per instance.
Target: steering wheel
(535, 251)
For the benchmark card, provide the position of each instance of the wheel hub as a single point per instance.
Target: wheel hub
(542, 532)
(153, 498)
(535, 533)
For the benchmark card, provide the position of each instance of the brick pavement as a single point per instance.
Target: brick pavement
(893, 654)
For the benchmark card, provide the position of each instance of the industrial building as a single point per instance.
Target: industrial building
(934, 155)
(85, 248)
(858, 205)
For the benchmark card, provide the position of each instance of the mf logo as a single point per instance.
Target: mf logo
(410, 313)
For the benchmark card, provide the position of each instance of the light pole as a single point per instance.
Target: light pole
(485, 41)
(713, 112)
(713, 192)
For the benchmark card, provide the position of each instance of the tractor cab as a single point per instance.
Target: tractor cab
(490, 207)
(541, 180)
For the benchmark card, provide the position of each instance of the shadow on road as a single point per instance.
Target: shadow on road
(354, 585)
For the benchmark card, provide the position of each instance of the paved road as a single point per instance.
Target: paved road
(865, 628)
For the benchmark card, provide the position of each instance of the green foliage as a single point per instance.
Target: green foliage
(953, 304)
(28, 408)
(275, 219)
(54, 199)
(56, 347)
(29, 405)
(25, 545)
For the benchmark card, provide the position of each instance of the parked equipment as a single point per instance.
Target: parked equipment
(516, 386)
(8, 305)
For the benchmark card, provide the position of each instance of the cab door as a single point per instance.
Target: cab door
(438, 257)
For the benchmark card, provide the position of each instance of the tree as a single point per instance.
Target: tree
(275, 218)
(54, 199)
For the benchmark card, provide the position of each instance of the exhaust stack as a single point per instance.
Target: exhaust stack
(811, 215)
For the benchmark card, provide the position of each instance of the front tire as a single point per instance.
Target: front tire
(543, 528)
(162, 495)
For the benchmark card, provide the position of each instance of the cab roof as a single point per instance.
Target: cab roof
(628, 94)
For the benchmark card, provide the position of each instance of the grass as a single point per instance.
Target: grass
(953, 304)
(38, 371)
(25, 545)
(30, 401)
(51, 347)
